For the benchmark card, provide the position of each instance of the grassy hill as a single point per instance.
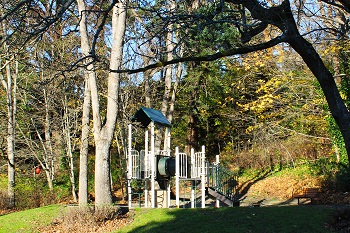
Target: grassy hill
(29, 220)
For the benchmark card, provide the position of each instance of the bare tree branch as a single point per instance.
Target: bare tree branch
(212, 57)
(344, 4)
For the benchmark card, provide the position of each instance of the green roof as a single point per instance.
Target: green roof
(146, 115)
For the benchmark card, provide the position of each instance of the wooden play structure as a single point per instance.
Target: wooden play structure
(157, 172)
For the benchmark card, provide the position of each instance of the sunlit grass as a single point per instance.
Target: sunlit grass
(29, 220)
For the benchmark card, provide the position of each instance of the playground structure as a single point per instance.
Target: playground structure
(155, 170)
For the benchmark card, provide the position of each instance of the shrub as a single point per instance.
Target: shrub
(276, 155)
(336, 176)
(78, 219)
(340, 221)
(3, 200)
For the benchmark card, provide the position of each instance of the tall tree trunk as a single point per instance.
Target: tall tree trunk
(84, 147)
(89, 73)
(48, 142)
(192, 130)
(11, 124)
(69, 147)
(173, 94)
(169, 46)
(103, 193)
(103, 134)
(9, 85)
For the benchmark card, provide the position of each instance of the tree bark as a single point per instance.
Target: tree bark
(168, 76)
(11, 124)
(47, 143)
(103, 134)
(9, 85)
(84, 147)
(69, 147)
(89, 73)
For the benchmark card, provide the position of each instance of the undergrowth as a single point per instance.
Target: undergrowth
(32, 192)
(89, 219)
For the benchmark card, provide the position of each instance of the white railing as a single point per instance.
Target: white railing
(183, 165)
(135, 164)
(196, 165)
(146, 164)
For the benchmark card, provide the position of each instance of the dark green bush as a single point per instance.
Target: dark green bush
(336, 175)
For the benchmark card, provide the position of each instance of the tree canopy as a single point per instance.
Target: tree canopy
(225, 72)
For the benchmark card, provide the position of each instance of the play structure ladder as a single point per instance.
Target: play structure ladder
(222, 184)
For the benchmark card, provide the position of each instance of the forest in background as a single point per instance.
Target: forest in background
(259, 110)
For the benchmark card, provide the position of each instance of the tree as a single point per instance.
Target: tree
(37, 23)
(252, 18)
(104, 131)
(85, 124)
(10, 85)
(281, 16)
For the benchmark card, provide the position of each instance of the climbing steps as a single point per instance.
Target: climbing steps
(222, 184)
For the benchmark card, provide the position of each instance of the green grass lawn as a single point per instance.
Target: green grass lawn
(308, 218)
(29, 220)
(265, 219)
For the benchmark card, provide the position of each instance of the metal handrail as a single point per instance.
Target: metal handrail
(222, 181)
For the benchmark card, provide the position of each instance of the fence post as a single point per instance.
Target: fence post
(129, 159)
(146, 163)
(177, 176)
(203, 176)
(217, 161)
(153, 169)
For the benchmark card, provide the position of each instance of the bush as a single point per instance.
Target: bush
(78, 219)
(276, 155)
(339, 181)
(336, 176)
(3, 200)
(30, 193)
(342, 180)
(340, 221)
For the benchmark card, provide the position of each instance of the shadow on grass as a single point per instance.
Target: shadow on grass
(237, 219)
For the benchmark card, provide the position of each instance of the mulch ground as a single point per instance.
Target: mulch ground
(61, 225)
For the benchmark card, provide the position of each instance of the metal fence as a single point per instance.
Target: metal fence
(222, 180)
